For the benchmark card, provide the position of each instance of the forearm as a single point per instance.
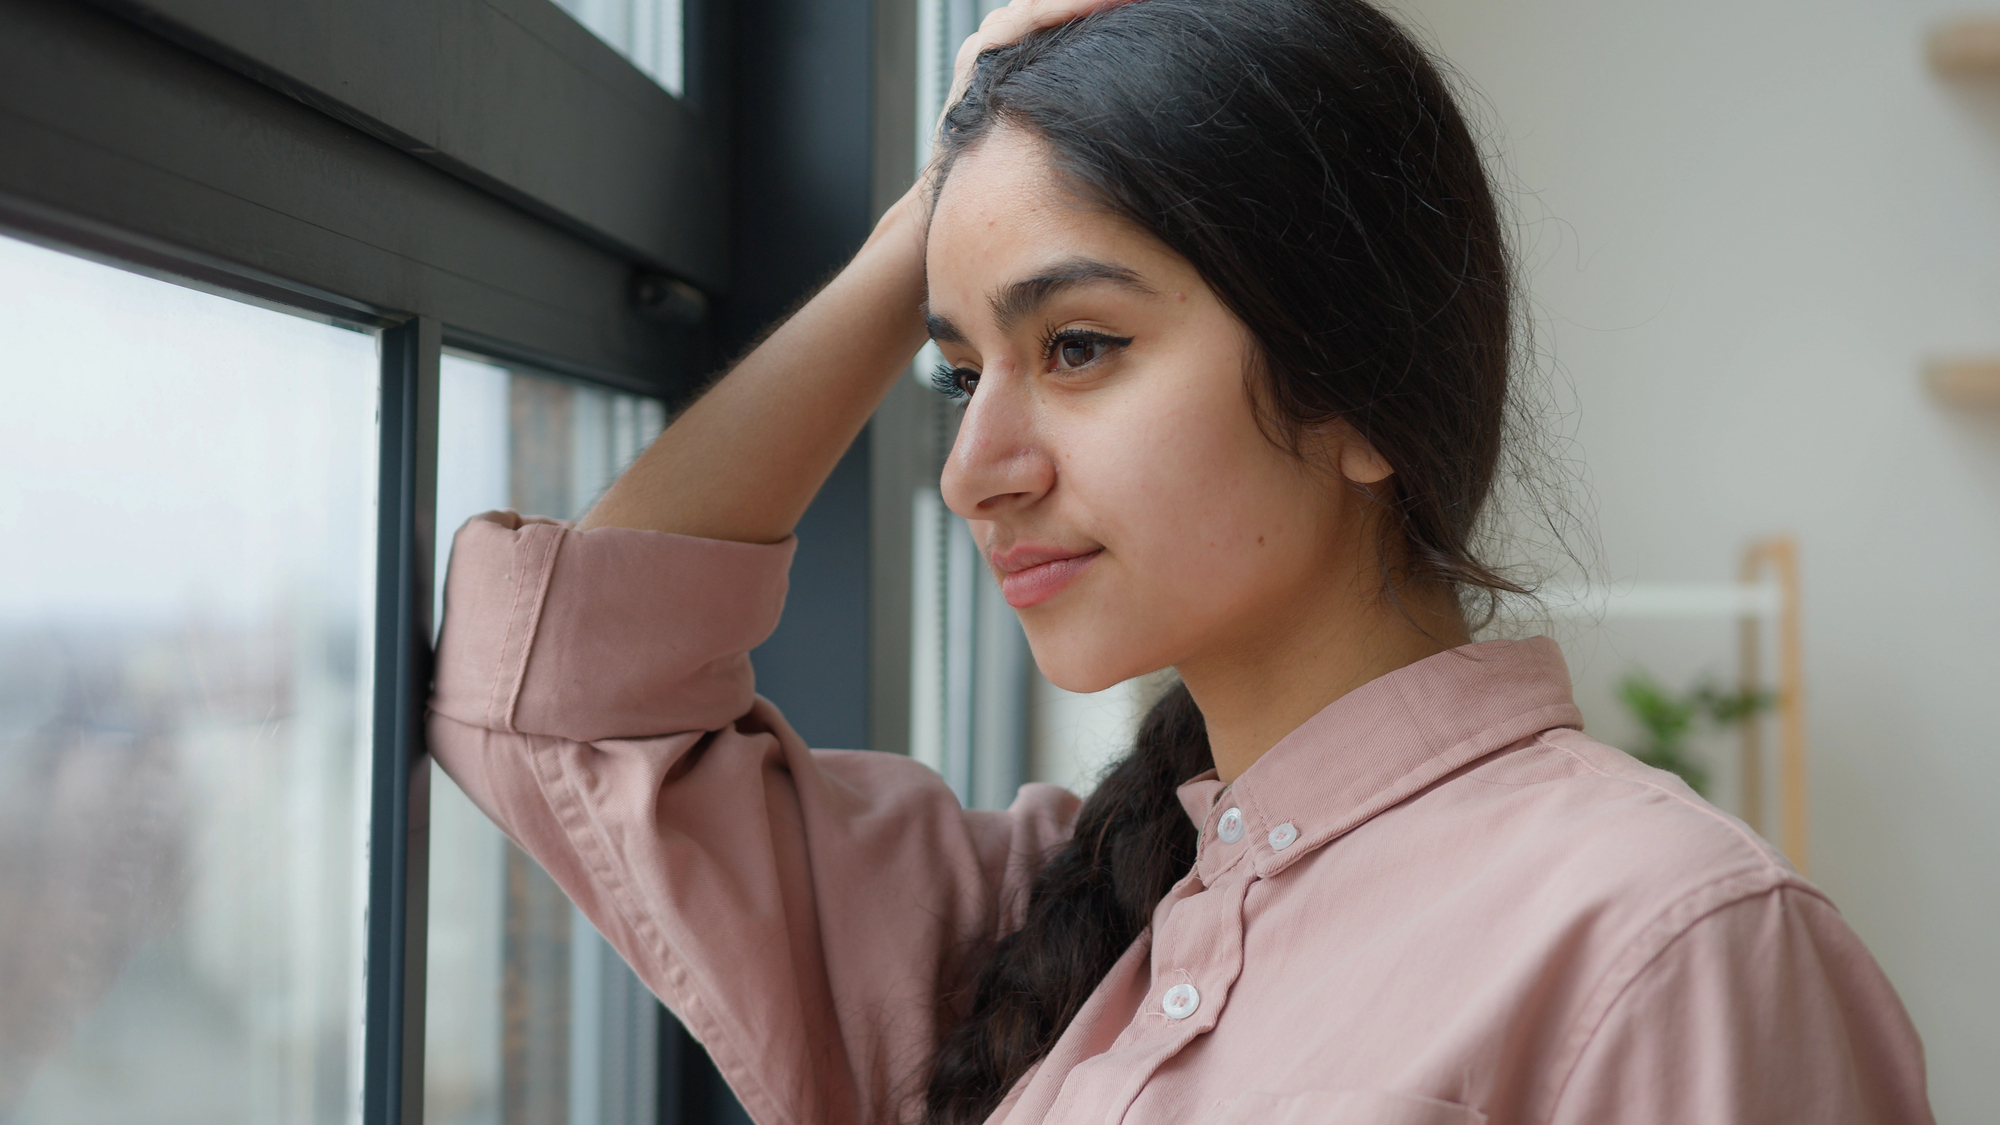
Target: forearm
(745, 460)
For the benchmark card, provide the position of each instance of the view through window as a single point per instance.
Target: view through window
(648, 32)
(531, 1016)
(184, 618)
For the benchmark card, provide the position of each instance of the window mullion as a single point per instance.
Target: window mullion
(393, 1029)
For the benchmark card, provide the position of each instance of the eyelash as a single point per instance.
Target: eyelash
(945, 378)
(960, 382)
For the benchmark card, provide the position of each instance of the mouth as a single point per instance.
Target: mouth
(1031, 574)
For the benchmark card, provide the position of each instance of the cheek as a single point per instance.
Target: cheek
(1204, 521)
(1198, 494)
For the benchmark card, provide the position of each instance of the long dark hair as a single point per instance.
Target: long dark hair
(1308, 159)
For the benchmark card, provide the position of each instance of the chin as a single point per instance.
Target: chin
(1078, 660)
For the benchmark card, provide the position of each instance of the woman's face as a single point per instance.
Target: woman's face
(1109, 460)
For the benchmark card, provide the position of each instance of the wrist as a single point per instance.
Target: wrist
(903, 224)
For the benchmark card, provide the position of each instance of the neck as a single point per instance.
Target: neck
(1270, 683)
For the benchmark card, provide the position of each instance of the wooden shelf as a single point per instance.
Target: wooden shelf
(1965, 382)
(1966, 48)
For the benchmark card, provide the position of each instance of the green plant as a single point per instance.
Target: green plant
(1668, 719)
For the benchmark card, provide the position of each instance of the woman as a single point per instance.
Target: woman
(1224, 289)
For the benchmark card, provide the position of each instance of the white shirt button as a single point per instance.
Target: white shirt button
(1230, 828)
(1180, 1001)
(1283, 836)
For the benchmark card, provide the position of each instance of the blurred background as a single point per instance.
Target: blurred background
(1749, 230)
(279, 316)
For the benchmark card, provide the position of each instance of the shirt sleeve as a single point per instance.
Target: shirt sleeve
(1766, 1010)
(805, 913)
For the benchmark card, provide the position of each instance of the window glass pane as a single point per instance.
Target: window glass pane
(186, 485)
(942, 27)
(531, 1016)
(648, 32)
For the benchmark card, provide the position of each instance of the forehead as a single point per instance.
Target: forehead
(1007, 176)
(1004, 213)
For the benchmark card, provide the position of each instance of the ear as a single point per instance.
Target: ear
(1359, 462)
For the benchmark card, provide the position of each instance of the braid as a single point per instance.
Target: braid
(1132, 842)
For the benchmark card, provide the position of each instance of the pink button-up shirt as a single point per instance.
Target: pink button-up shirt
(1435, 902)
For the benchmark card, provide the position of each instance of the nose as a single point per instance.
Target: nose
(999, 463)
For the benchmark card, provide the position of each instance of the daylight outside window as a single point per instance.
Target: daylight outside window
(531, 1016)
(184, 614)
(648, 32)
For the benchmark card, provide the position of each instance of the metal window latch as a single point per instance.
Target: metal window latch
(660, 297)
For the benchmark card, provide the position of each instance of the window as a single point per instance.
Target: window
(184, 623)
(532, 1015)
(303, 286)
(648, 32)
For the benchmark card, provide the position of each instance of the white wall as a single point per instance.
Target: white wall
(1747, 223)
(1073, 739)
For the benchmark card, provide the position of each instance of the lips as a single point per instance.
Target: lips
(1031, 574)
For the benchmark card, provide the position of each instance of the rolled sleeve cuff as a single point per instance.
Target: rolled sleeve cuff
(607, 633)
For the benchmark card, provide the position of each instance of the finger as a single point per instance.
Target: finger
(1008, 25)
(1023, 17)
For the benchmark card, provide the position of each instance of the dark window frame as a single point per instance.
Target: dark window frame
(474, 86)
(124, 144)
(219, 144)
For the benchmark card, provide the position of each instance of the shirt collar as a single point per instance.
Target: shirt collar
(1377, 745)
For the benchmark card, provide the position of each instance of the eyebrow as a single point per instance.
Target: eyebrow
(1022, 298)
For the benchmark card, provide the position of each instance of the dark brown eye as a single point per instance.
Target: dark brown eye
(1078, 351)
(954, 382)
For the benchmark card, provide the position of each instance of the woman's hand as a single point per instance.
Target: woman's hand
(1003, 26)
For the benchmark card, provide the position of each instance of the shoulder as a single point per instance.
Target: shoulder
(1765, 1008)
(1601, 818)
(1561, 851)
(1576, 849)
(1634, 862)
(1689, 943)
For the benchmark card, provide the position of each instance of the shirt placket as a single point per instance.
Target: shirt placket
(1197, 955)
